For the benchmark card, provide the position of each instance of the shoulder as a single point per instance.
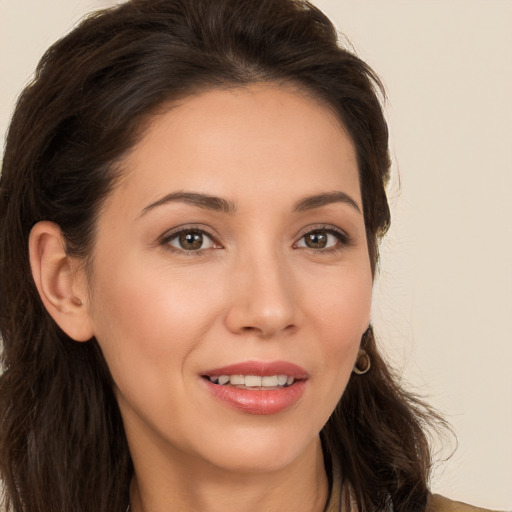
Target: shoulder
(437, 503)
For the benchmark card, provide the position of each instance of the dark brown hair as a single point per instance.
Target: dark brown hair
(62, 442)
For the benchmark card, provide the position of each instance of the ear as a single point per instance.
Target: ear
(60, 281)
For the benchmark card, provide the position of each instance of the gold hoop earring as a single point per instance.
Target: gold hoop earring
(364, 369)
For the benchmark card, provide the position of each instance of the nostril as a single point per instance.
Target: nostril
(268, 332)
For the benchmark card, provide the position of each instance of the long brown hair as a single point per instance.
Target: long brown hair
(62, 442)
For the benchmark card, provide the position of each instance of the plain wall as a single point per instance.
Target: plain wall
(443, 302)
(443, 299)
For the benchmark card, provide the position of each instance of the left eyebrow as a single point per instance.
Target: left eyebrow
(319, 200)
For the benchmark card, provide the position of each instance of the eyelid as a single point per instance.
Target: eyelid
(345, 240)
(184, 228)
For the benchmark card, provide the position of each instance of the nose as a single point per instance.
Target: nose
(262, 297)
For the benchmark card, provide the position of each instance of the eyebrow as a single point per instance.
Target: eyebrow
(319, 200)
(200, 200)
(222, 205)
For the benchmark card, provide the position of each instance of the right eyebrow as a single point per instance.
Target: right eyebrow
(195, 199)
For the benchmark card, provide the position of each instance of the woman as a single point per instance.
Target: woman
(201, 186)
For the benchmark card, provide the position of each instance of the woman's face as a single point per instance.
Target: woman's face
(234, 247)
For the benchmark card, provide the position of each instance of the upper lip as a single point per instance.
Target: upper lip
(260, 368)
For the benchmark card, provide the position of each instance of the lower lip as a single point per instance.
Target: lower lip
(258, 401)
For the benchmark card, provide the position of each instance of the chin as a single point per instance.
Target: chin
(261, 452)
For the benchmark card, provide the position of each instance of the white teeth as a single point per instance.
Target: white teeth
(269, 381)
(223, 379)
(253, 381)
(281, 379)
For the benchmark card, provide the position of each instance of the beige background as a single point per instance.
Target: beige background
(443, 301)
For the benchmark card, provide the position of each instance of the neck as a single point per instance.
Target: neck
(302, 485)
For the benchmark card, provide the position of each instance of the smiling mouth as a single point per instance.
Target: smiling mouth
(252, 382)
(257, 387)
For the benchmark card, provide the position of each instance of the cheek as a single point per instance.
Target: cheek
(147, 319)
(342, 309)
(341, 318)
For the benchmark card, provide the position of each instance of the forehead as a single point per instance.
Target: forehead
(252, 139)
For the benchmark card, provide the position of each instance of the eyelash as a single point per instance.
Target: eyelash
(168, 237)
(344, 240)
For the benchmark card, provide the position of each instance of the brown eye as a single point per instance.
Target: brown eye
(191, 240)
(322, 239)
(316, 240)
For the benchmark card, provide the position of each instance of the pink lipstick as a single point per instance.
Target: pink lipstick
(256, 387)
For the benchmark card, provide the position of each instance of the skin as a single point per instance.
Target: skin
(164, 315)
